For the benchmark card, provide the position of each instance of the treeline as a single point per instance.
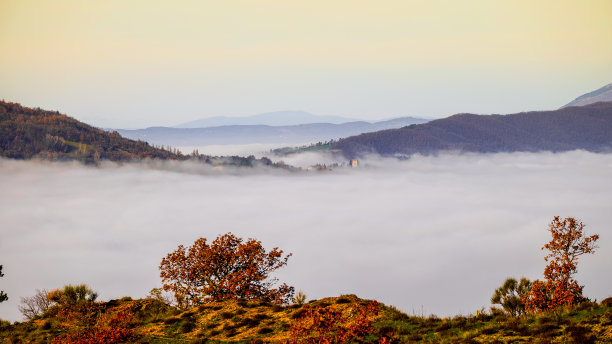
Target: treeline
(586, 127)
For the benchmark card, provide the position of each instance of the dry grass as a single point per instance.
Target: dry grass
(255, 321)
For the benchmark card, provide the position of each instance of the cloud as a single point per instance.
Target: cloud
(430, 234)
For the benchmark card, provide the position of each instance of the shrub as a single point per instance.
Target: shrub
(343, 300)
(325, 325)
(607, 302)
(72, 294)
(510, 295)
(299, 298)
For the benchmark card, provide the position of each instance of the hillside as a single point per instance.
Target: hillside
(26, 133)
(603, 94)
(256, 321)
(244, 134)
(586, 127)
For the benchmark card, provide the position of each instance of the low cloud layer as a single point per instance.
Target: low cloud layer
(427, 235)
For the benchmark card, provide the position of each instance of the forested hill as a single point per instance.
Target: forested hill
(27, 133)
(580, 127)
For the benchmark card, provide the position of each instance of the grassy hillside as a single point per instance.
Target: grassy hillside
(254, 321)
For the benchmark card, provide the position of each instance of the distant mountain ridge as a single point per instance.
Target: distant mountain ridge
(603, 94)
(276, 118)
(578, 127)
(244, 134)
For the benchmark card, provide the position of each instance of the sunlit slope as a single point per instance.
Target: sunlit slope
(27, 133)
(255, 321)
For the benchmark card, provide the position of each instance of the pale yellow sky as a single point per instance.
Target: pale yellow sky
(141, 63)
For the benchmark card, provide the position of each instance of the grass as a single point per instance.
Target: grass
(255, 321)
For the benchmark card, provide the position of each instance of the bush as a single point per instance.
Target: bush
(71, 295)
(324, 325)
(607, 302)
(510, 295)
(299, 298)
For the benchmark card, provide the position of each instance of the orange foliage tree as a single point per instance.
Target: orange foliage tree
(559, 288)
(227, 268)
(323, 325)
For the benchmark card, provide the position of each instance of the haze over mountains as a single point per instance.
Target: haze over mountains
(276, 118)
(30, 132)
(314, 129)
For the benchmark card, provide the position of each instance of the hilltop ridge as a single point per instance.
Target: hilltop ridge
(577, 127)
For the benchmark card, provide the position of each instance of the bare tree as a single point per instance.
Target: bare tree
(36, 305)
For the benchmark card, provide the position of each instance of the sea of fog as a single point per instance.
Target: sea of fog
(427, 235)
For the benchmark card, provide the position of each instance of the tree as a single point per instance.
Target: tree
(559, 288)
(510, 295)
(72, 294)
(227, 268)
(3, 296)
(36, 305)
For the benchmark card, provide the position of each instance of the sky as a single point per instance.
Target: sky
(135, 64)
(430, 234)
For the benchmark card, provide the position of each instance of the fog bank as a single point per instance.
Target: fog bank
(430, 234)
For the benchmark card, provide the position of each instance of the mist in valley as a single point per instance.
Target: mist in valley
(427, 235)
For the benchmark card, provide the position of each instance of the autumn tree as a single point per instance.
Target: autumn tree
(3, 296)
(227, 268)
(559, 288)
(510, 295)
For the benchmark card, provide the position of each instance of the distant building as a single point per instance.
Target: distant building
(354, 163)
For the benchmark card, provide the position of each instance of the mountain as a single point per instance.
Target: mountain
(243, 134)
(603, 94)
(277, 118)
(580, 127)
